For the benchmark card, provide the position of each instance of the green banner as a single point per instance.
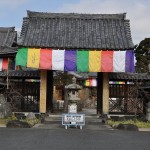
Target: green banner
(21, 57)
(82, 61)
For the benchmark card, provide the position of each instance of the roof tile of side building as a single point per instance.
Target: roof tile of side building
(119, 76)
(81, 76)
(8, 40)
(71, 30)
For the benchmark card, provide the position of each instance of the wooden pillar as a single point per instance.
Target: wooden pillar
(43, 86)
(126, 98)
(99, 93)
(49, 91)
(23, 92)
(105, 93)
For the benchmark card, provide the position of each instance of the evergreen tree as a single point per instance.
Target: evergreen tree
(142, 54)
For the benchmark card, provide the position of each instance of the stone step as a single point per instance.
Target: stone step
(57, 119)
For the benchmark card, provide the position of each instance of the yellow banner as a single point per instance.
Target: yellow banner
(33, 58)
(95, 61)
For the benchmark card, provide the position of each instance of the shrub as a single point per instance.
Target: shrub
(138, 123)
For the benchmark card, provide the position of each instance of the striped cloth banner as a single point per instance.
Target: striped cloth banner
(70, 60)
(77, 60)
(22, 57)
(107, 61)
(33, 58)
(46, 59)
(3, 64)
(82, 59)
(119, 61)
(58, 59)
(94, 61)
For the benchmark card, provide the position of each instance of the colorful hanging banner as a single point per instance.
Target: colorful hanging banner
(58, 59)
(46, 59)
(33, 58)
(129, 61)
(94, 61)
(119, 61)
(22, 57)
(90, 82)
(1, 60)
(116, 82)
(3, 64)
(107, 61)
(83, 61)
(77, 60)
(70, 60)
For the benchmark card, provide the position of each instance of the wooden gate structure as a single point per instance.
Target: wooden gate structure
(22, 90)
(122, 100)
(69, 31)
(25, 96)
(125, 96)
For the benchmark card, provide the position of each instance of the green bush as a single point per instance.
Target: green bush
(136, 122)
(32, 122)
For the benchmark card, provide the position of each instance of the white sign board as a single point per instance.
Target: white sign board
(73, 119)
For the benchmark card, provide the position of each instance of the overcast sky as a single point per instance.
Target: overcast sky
(138, 11)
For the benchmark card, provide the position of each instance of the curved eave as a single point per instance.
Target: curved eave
(20, 74)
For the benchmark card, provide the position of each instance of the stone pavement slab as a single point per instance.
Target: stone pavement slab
(86, 127)
(2, 125)
(144, 129)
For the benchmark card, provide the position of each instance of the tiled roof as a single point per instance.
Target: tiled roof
(71, 30)
(20, 74)
(8, 51)
(8, 40)
(129, 76)
(120, 76)
(112, 76)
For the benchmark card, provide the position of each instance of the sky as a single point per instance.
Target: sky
(137, 11)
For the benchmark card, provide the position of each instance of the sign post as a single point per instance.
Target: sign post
(73, 120)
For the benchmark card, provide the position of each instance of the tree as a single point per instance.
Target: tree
(142, 54)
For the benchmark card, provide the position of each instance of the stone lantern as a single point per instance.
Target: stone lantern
(72, 95)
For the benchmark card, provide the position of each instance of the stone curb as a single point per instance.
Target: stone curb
(89, 127)
(144, 129)
(2, 125)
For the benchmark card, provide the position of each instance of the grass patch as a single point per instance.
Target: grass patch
(32, 122)
(138, 123)
(5, 120)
